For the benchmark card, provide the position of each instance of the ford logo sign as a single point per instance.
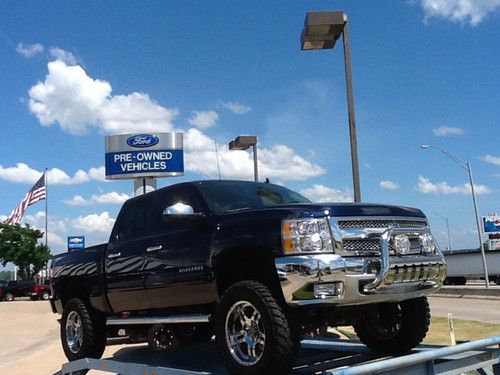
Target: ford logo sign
(142, 140)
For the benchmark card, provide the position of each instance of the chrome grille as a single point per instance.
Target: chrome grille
(349, 224)
(372, 246)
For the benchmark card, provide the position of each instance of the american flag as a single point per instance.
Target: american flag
(36, 193)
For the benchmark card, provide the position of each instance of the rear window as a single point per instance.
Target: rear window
(230, 196)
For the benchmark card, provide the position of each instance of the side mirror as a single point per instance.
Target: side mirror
(181, 211)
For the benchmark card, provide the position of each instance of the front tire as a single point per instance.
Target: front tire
(83, 331)
(395, 328)
(252, 331)
(9, 297)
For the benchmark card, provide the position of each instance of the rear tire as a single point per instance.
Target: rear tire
(252, 332)
(34, 298)
(83, 331)
(395, 328)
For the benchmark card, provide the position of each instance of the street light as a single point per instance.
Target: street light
(321, 31)
(468, 168)
(243, 142)
(447, 228)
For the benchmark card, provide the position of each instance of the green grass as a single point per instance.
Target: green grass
(465, 330)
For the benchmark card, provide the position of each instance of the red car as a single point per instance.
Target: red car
(40, 291)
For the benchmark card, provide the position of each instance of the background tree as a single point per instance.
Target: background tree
(6, 275)
(19, 245)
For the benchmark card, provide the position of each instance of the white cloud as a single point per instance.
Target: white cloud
(322, 193)
(59, 229)
(236, 107)
(65, 56)
(203, 119)
(77, 200)
(98, 174)
(492, 159)
(24, 174)
(463, 11)
(443, 131)
(278, 162)
(107, 198)
(426, 186)
(29, 50)
(75, 101)
(94, 223)
(388, 185)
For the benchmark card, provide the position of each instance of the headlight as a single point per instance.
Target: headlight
(428, 244)
(306, 235)
(402, 244)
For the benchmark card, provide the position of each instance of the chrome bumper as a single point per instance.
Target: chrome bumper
(343, 280)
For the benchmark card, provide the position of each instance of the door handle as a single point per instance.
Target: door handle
(154, 248)
(114, 255)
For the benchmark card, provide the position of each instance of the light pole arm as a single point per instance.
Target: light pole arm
(460, 162)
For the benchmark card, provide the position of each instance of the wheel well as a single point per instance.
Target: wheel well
(73, 288)
(237, 264)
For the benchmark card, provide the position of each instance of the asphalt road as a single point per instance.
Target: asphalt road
(485, 310)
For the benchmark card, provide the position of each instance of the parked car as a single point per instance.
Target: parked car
(18, 288)
(4, 291)
(257, 264)
(40, 291)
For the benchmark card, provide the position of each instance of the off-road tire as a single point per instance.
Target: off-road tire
(409, 321)
(93, 331)
(276, 354)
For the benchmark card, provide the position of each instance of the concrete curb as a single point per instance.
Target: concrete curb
(479, 293)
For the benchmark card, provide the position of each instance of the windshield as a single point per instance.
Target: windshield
(230, 196)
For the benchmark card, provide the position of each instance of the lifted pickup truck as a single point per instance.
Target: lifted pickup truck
(258, 265)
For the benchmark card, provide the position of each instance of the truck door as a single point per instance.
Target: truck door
(176, 270)
(125, 256)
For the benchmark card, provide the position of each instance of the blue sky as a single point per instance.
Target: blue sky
(424, 71)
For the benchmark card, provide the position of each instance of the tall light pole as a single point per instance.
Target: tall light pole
(321, 31)
(468, 168)
(447, 228)
(243, 142)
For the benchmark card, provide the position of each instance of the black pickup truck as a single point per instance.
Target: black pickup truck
(256, 264)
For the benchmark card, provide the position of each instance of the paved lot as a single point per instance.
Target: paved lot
(29, 339)
(485, 310)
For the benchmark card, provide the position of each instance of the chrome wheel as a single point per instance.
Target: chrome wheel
(245, 334)
(74, 332)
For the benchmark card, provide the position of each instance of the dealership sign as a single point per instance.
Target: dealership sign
(144, 155)
(491, 224)
(76, 242)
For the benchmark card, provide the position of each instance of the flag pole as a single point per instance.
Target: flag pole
(46, 211)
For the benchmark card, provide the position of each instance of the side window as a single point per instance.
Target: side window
(134, 221)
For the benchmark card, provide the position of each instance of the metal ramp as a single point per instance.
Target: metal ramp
(331, 356)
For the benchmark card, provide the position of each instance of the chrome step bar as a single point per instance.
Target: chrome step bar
(174, 319)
